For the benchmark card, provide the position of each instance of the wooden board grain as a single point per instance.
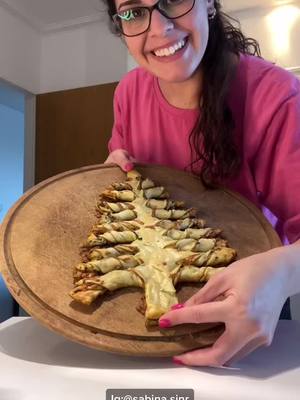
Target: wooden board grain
(40, 240)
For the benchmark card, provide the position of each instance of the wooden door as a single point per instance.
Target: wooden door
(73, 129)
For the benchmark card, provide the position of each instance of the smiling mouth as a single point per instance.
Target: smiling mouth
(170, 51)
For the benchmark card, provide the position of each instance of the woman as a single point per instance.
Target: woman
(205, 101)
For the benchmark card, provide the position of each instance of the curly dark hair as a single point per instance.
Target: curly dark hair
(212, 138)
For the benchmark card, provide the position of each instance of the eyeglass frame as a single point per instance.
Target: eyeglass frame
(150, 10)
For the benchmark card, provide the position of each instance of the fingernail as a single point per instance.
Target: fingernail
(177, 361)
(177, 306)
(128, 167)
(164, 323)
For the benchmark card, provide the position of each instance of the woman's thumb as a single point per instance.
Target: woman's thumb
(123, 160)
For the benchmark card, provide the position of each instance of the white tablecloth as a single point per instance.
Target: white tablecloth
(36, 364)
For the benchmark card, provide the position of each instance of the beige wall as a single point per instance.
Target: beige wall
(82, 56)
(20, 52)
(78, 56)
(278, 31)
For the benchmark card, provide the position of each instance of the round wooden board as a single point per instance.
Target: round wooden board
(40, 240)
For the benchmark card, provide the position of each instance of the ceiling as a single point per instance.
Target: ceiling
(47, 15)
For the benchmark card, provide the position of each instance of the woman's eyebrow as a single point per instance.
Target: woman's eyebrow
(128, 2)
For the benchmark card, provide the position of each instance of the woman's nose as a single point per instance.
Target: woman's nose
(160, 25)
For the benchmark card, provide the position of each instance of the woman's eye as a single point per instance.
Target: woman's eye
(131, 14)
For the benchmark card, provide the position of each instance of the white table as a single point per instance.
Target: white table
(36, 364)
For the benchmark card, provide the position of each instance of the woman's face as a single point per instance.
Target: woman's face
(190, 29)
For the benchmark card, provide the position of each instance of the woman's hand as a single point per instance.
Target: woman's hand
(248, 297)
(122, 158)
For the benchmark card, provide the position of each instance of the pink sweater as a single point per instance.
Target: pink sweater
(265, 101)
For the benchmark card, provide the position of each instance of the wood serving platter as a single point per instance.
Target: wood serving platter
(39, 245)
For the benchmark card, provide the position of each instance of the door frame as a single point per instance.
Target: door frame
(29, 140)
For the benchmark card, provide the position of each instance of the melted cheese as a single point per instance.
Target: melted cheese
(152, 240)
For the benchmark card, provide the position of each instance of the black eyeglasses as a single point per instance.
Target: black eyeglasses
(136, 20)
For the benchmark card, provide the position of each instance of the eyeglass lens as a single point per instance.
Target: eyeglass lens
(135, 20)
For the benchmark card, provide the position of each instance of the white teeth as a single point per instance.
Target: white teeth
(171, 50)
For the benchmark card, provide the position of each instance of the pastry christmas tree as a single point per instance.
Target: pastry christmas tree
(144, 239)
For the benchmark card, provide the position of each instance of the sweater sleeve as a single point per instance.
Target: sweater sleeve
(277, 166)
(117, 138)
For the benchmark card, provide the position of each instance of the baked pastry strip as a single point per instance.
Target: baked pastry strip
(173, 214)
(164, 204)
(111, 237)
(109, 264)
(219, 256)
(116, 195)
(87, 290)
(99, 253)
(192, 233)
(201, 245)
(181, 224)
(190, 273)
(110, 207)
(117, 226)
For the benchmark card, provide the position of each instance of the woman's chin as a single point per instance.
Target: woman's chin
(175, 77)
(178, 73)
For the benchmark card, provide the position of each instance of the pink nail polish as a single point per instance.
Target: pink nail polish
(177, 306)
(164, 323)
(128, 167)
(178, 362)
